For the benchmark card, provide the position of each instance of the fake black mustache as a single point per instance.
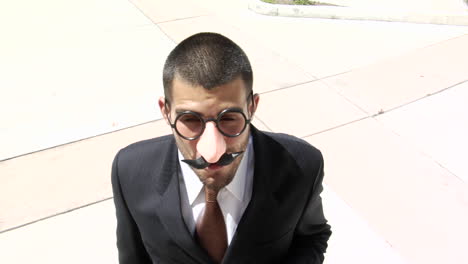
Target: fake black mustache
(201, 163)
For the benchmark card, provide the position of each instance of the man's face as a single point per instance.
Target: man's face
(211, 144)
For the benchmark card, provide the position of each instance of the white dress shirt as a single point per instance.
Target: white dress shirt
(233, 199)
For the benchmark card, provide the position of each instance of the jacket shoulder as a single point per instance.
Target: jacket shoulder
(146, 150)
(297, 147)
(148, 143)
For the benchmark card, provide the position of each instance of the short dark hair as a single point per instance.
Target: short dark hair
(208, 60)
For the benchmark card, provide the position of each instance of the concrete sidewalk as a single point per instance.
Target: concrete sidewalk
(385, 102)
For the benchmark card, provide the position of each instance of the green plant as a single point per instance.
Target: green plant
(304, 2)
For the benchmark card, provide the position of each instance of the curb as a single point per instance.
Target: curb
(358, 13)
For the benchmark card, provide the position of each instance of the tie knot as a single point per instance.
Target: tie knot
(211, 195)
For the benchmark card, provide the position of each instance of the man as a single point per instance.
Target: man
(217, 190)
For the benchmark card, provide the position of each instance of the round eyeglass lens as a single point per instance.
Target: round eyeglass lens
(189, 125)
(231, 123)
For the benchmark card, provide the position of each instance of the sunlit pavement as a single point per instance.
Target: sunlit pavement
(385, 102)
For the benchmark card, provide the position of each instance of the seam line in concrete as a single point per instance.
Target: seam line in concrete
(344, 97)
(154, 23)
(417, 149)
(289, 86)
(263, 123)
(54, 215)
(445, 168)
(442, 41)
(337, 126)
(182, 18)
(381, 112)
(81, 139)
(336, 74)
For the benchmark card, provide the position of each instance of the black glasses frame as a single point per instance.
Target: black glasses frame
(216, 120)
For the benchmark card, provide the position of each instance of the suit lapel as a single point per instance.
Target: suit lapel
(262, 201)
(261, 218)
(169, 208)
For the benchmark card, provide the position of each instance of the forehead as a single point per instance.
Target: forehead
(186, 96)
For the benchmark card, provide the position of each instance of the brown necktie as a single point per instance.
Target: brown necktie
(211, 229)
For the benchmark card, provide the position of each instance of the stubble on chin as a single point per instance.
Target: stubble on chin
(219, 179)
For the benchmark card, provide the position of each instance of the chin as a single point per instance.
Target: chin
(218, 179)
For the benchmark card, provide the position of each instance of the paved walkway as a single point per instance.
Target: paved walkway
(385, 102)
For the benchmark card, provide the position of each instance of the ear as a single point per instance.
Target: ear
(164, 109)
(253, 107)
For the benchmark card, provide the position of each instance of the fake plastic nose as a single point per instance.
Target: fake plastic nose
(211, 144)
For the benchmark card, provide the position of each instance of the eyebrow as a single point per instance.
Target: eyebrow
(180, 111)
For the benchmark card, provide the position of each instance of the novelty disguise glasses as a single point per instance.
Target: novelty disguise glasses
(231, 122)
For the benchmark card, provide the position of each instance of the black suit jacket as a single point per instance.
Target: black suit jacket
(283, 222)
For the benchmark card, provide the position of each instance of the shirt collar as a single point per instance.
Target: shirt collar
(235, 187)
